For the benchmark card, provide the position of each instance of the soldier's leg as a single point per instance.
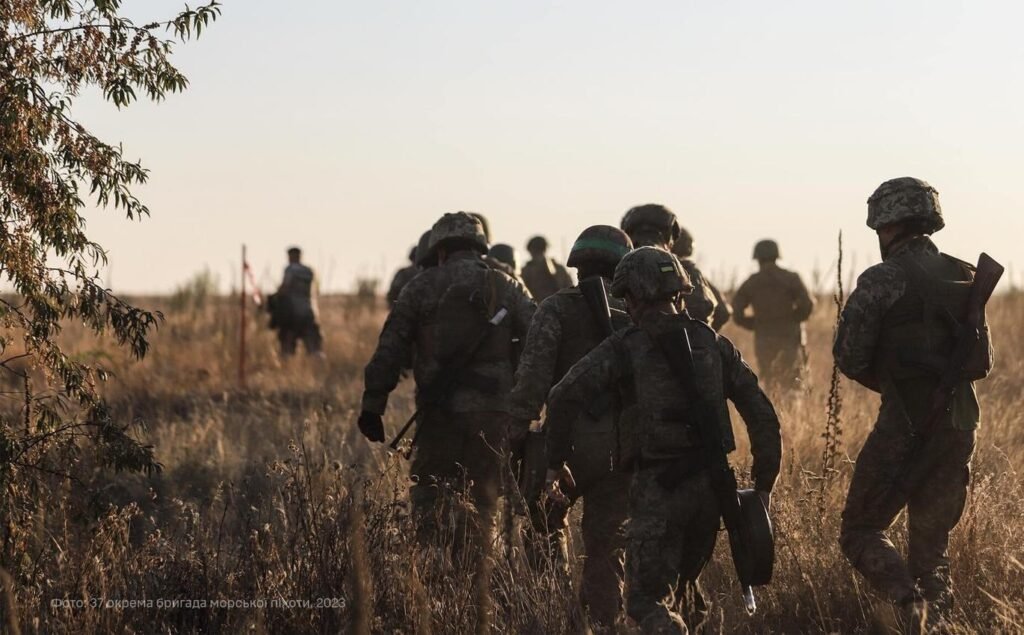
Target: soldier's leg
(653, 554)
(435, 472)
(287, 339)
(312, 339)
(485, 447)
(605, 508)
(862, 533)
(933, 513)
(546, 542)
(699, 536)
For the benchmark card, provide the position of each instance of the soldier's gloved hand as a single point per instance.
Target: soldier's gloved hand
(554, 481)
(372, 426)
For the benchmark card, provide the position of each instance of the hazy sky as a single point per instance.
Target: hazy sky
(348, 128)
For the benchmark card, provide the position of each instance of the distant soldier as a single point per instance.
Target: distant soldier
(654, 225)
(683, 248)
(897, 336)
(402, 278)
(781, 304)
(674, 512)
(459, 317)
(543, 276)
(293, 308)
(504, 258)
(567, 326)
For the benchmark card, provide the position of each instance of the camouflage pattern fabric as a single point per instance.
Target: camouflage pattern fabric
(905, 198)
(705, 302)
(861, 354)
(563, 330)
(410, 326)
(670, 530)
(780, 303)
(650, 274)
(544, 277)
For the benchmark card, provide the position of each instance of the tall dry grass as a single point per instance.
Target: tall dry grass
(269, 493)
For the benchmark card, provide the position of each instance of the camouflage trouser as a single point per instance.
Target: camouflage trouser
(308, 333)
(781, 364)
(931, 514)
(456, 472)
(605, 508)
(670, 536)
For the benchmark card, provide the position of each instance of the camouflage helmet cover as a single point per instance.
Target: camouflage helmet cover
(766, 250)
(459, 226)
(600, 244)
(424, 257)
(650, 274)
(483, 221)
(643, 219)
(683, 247)
(905, 198)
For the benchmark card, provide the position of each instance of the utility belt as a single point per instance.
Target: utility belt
(677, 469)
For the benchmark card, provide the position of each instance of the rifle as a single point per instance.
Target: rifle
(932, 449)
(446, 378)
(596, 295)
(746, 519)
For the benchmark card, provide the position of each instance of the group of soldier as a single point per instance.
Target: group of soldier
(589, 378)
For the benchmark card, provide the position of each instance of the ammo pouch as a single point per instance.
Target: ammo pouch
(463, 316)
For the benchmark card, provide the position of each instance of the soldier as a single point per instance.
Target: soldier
(402, 278)
(673, 510)
(654, 225)
(542, 275)
(503, 258)
(781, 305)
(895, 337)
(566, 327)
(443, 315)
(425, 259)
(294, 310)
(683, 249)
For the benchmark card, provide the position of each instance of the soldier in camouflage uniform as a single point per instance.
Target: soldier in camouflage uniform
(460, 434)
(402, 278)
(781, 304)
(543, 276)
(895, 337)
(673, 511)
(565, 328)
(654, 225)
(295, 310)
(683, 249)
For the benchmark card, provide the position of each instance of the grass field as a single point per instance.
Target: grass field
(269, 500)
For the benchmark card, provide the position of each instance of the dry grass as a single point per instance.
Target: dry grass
(268, 492)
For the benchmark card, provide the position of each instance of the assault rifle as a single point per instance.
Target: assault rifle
(746, 520)
(931, 448)
(447, 377)
(596, 295)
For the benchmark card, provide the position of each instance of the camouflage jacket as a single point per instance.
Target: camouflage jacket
(297, 292)
(780, 301)
(411, 327)
(657, 424)
(402, 278)
(545, 278)
(883, 322)
(696, 304)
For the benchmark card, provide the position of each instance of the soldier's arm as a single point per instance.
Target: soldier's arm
(701, 303)
(536, 371)
(588, 379)
(803, 303)
(758, 415)
(723, 312)
(521, 307)
(740, 302)
(877, 290)
(394, 348)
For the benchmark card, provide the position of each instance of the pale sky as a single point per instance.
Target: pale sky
(349, 127)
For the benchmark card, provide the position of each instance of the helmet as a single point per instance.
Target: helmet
(650, 274)
(600, 244)
(905, 198)
(412, 255)
(504, 254)
(766, 250)
(683, 246)
(537, 243)
(459, 227)
(424, 257)
(483, 221)
(644, 221)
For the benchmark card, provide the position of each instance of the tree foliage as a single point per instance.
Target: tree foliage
(51, 170)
